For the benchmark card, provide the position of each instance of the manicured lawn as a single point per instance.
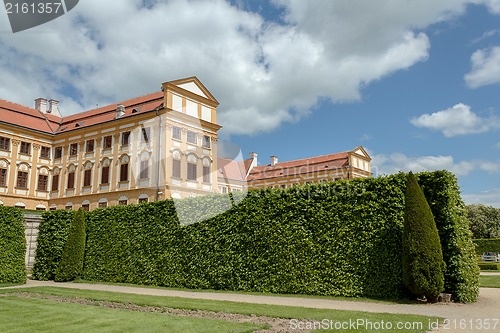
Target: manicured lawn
(40, 315)
(98, 318)
(489, 281)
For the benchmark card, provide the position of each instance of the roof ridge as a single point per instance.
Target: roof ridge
(315, 157)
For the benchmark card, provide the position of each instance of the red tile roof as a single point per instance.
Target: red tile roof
(231, 169)
(300, 167)
(16, 114)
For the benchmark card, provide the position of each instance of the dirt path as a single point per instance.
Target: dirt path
(471, 316)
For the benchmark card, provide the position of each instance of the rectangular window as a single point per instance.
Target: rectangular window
(73, 149)
(4, 143)
(124, 172)
(86, 207)
(87, 177)
(107, 142)
(3, 177)
(57, 152)
(42, 182)
(144, 172)
(25, 148)
(22, 179)
(191, 171)
(206, 174)
(89, 146)
(143, 200)
(206, 141)
(45, 152)
(103, 204)
(176, 133)
(71, 180)
(145, 134)
(55, 182)
(192, 137)
(105, 175)
(125, 138)
(122, 202)
(176, 168)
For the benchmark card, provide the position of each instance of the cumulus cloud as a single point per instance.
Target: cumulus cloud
(263, 72)
(485, 68)
(393, 163)
(457, 120)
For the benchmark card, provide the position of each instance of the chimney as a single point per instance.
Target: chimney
(120, 111)
(253, 156)
(54, 107)
(41, 105)
(274, 160)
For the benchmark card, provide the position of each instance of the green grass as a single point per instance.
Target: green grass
(196, 304)
(40, 315)
(489, 281)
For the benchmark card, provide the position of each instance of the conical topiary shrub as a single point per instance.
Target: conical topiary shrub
(423, 265)
(71, 264)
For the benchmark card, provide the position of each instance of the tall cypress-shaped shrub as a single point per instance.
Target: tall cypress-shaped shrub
(423, 265)
(12, 246)
(71, 264)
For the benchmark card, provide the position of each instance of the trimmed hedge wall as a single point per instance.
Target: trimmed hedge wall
(71, 265)
(340, 238)
(12, 246)
(487, 245)
(489, 266)
(52, 235)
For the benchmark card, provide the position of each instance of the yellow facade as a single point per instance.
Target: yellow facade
(150, 148)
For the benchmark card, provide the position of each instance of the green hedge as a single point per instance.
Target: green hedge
(487, 245)
(462, 273)
(340, 238)
(12, 246)
(489, 266)
(52, 234)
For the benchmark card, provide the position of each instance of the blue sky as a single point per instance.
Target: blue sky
(416, 83)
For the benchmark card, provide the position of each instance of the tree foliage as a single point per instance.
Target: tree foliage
(423, 265)
(484, 221)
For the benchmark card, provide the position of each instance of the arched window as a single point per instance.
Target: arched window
(105, 171)
(191, 167)
(87, 174)
(176, 164)
(124, 168)
(55, 179)
(22, 180)
(207, 170)
(71, 177)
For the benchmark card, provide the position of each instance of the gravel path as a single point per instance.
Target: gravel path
(469, 315)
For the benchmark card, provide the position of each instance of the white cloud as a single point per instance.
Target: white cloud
(485, 68)
(263, 73)
(498, 145)
(457, 120)
(488, 198)
(393, 163)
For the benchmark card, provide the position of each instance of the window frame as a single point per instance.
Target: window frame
(3, 177)
(107, 144)
(125, 138)
(124, 172)
(107, 175)
(206, 141)
(176, 168)
(70, 184)
(176, 130)
(4, 143)
(55, 183)
(44, 181)
(89, 148)
(45, 149)
(192, 137)
(24, 178)
(25, 148)
(58, 152)
(87, 177)
(192, 173)
(145, 134)
(73, 149)
(144, 169)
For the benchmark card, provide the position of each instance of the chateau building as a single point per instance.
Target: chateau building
(344, 165)
(162, 145)
(158, 146)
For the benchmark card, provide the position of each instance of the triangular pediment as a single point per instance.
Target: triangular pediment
(360, 151)
(194, 85)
